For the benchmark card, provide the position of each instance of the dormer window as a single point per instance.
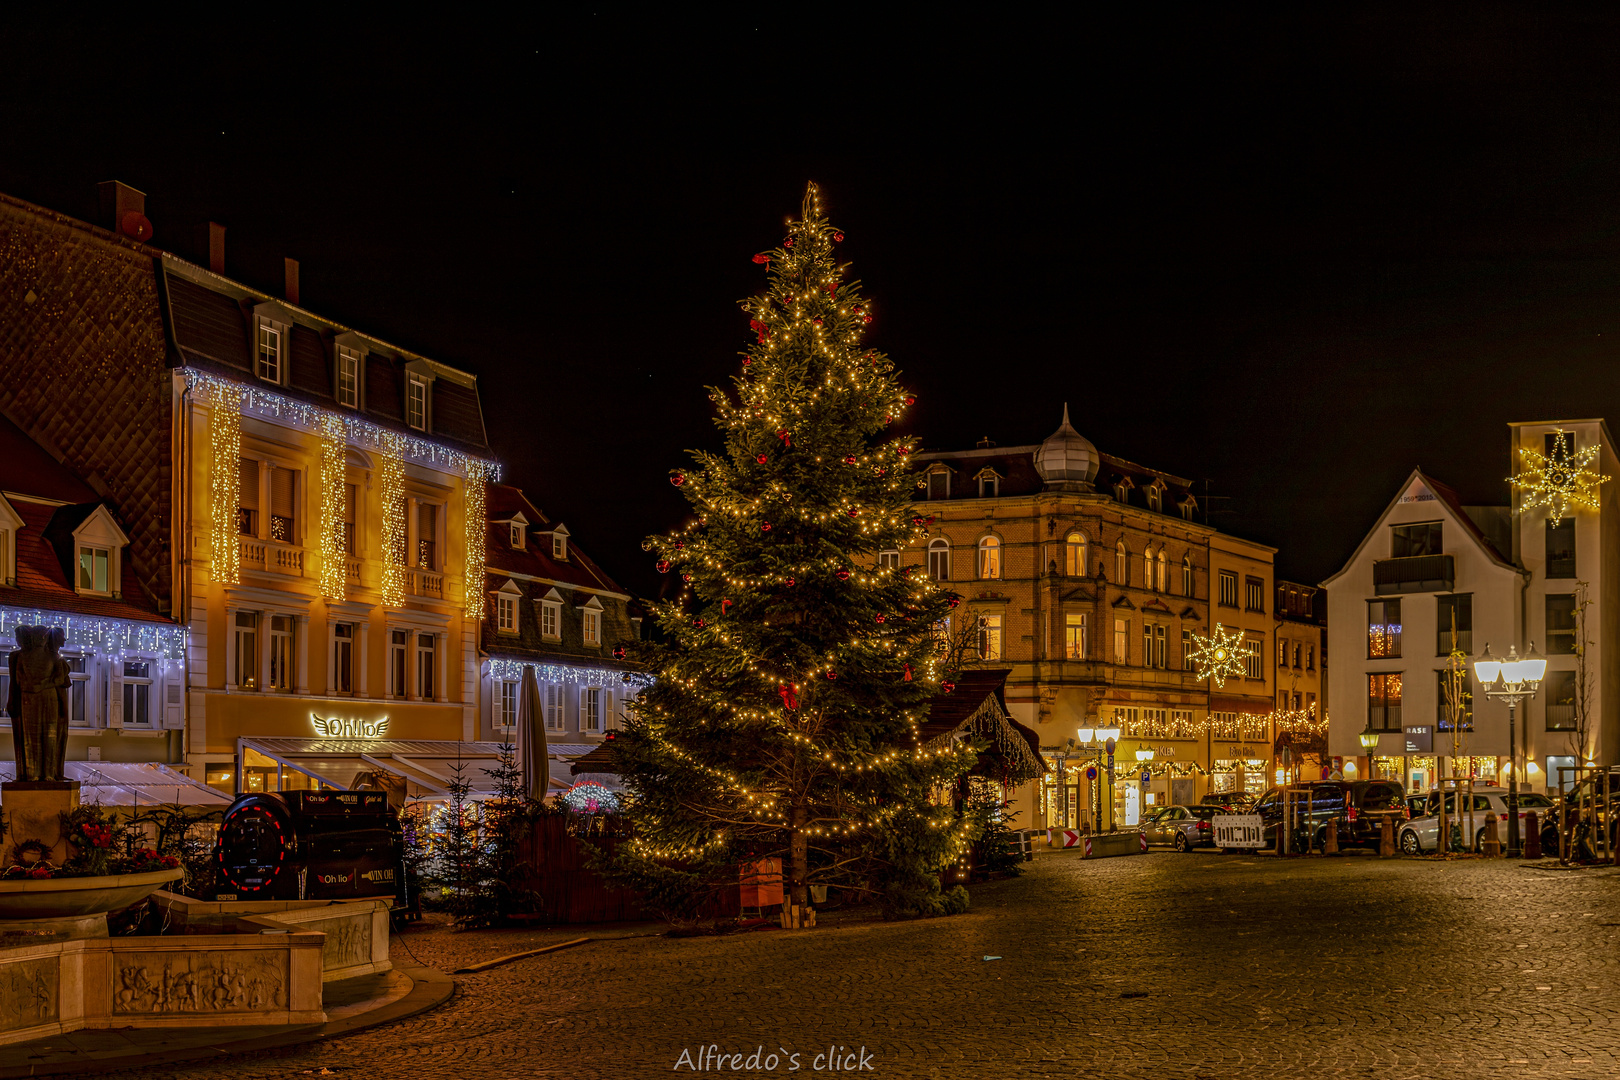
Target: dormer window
(416, 401)
(269, 367)
(939, 484)
(591, 621)
(506, 614)
(1187, 506)
(559, 543)
(348, 377)
(989, 484)
(517, 535)
(551, 616)
(1122, 489)
(1155, 496)
(10, 523)
(517, 527)
(93, 566)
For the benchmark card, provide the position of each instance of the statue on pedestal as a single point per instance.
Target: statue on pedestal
(39, 703)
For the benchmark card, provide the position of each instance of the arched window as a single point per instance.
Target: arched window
(1163, 583)
(1074, 555)
(1147, 567)
(1186, 575)
(989, 558)
(1119, 564)
(939, 559)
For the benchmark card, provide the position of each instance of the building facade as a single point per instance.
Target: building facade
(305, 499)
(1434, 575)
(1301, 632)
(1089, 577)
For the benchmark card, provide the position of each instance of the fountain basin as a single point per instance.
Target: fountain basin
(72, 897)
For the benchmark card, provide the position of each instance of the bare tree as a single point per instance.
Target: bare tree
(1580, 733)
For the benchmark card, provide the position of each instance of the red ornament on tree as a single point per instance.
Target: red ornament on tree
(854, 513)
(698, 623)
(686, 577)
(817, 322)
(618, 652)
(723, 605)
(788, 242)
(663, 566)
(677, 479)
(881, 619)
(911, 399)
(838, 238)
(761, 458)
(947, 686)
(908, 673)
(790, 697)
(832, 289)
(843, 575)
(746, 361)
(832, 674)
(789, 583)
(787, 438)
(850, 460)
(760, 329)
(764, 526)
(679, 544)
(954, 601)
(763, 259)
(866, 318)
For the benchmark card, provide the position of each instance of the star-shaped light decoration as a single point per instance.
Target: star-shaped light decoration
(1559, 482)
(1217, 655)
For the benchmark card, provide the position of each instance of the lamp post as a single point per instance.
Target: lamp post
(1513, 679)
(1100, 741)
(1369, 743)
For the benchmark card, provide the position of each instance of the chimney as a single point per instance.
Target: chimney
(292, 280)
(123, 210)
(211, 239)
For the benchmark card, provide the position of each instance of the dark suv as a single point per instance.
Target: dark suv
(1359, 805)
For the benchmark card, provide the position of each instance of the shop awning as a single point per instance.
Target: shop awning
(427, 766)
(133, 784)
(977, 707)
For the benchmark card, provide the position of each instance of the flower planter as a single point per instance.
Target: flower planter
(70, 897)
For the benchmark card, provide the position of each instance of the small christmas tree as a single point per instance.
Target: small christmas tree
(796, 661)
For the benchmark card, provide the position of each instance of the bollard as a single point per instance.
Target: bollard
(1330, 844)
(1492, 846)
(1386, 838)
(1532, 836)
(1281, 833)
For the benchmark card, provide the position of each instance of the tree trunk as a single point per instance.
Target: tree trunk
(799, 858)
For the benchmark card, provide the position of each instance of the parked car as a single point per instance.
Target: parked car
(1552, 818)
(1359, 806)
(1422, 833)
(1416, 805)
(1236, 801)
(1182, 827)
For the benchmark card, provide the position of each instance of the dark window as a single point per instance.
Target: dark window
(987, 487)
(1384, 701)
(1409, 541)
(1455, 613)
(1560, 624)
(1228, 588)
(1380, 797)
(939, 485)
(1443, 717)
(1560, 688)
(1256, 598)
(1561, 549)
(1383, 629)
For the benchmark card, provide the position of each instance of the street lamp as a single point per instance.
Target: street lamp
(1100, 741)
(1513, 679)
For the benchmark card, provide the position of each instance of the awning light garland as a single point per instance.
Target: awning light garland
(106, 637)
(512, 671)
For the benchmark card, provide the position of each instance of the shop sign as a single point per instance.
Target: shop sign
(1238, 830)
(333, 727)
(1419, 739)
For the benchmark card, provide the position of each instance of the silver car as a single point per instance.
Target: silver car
(1182, 827)
(1421, 834)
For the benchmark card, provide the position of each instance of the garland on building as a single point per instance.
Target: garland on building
(225, 479)
(1560, 481)
(334, 503)
(107, 637)
(391, 485)
(512, 671)
(474, 531)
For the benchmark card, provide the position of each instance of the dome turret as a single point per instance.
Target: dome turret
(1067, 459)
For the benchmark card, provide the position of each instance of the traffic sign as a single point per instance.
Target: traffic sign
(1091, 772)
(1146, 776)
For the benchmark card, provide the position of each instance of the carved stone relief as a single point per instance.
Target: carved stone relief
(28, 993)
(348, 942)
(186, 982)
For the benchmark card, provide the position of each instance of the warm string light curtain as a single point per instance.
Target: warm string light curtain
(334, 502)
(225, 478)
(391, 483)
(474, 529)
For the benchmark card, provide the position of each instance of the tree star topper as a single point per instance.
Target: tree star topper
(1560, 481)
(1217, 655)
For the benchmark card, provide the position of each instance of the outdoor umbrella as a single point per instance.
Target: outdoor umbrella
(532, 737)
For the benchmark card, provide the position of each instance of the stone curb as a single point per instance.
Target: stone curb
(430, 988)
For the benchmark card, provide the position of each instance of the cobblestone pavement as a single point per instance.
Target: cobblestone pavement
(1199, 966)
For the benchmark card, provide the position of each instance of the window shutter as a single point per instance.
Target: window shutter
(249, 481)
(610, 719)
(427, 516)
(584, 717)
(281, 493)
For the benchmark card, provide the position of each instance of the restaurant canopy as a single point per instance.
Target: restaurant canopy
(425, 767)
(133, 784)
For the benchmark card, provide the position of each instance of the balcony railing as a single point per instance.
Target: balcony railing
(351, 570)
(1415, 574)
(271, 558)
(425, 583)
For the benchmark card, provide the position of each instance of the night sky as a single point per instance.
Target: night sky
(1294, 258)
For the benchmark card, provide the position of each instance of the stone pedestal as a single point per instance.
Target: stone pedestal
(20, 933)
(33, 810)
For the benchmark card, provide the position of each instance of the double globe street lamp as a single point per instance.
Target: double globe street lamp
(1100, 741)
(1513, 679)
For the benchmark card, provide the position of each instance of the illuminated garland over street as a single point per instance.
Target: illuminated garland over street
(1560, 482)
(107, 637)
(225, 480)
(1217, 656)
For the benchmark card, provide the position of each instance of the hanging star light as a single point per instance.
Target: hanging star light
(1560, 481)
(1217, 655)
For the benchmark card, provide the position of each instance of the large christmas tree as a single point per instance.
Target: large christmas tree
(796, 663)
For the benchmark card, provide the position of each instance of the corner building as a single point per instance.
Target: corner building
(1087, 575)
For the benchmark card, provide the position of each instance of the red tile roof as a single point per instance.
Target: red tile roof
(501, 502)
(43, 582)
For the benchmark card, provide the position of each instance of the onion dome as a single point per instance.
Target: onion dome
(1067, 457)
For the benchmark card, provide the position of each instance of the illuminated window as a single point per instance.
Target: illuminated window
(398, 662)
(1074, 555)
(1075, 645)
(1155, 498)
(281, 652)
(1122, 631)
(245, 649)
(1186, 575)
(989, 558)
(592, 626)
(559, 544)
(989, 637)
(550, 619)
(93, 570)
(506, 614)
(1120, 567)
(1383, 629)
(889, 560)
(343, 658)
(1384, 701)
(1161, 582)
(283, 505)
(269, 368)
(939, 560)
(137, 680)
(348, 377)
(508, 705)
(247, 499)
(424, 666)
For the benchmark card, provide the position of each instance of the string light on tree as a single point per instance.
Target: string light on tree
(1217, 656)
(1560, 481)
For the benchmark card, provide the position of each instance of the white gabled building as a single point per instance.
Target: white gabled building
(1503, 578)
